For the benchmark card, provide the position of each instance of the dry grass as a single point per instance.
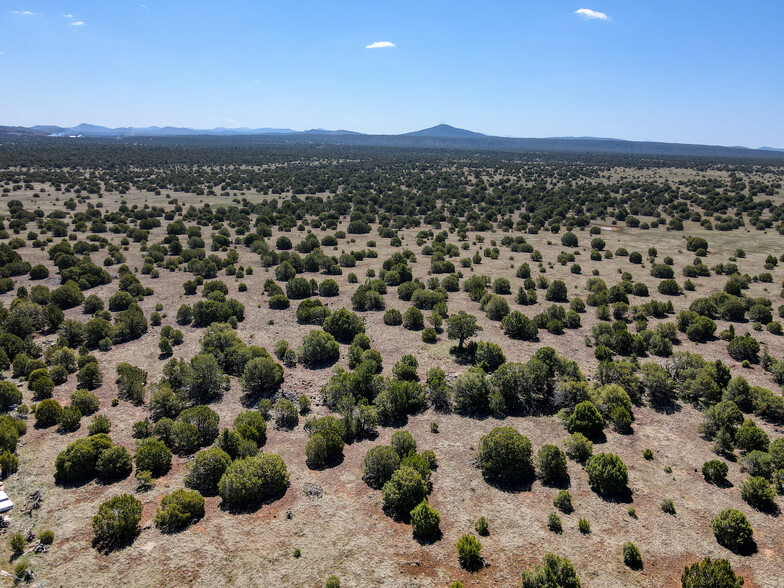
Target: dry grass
(346, 532)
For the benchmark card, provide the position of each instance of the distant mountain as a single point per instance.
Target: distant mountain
(49, 129)
(88, 130)
(446, 131)
(438, 137)
(328, 132)
(6, 131)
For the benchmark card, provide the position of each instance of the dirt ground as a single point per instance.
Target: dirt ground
(345, 532)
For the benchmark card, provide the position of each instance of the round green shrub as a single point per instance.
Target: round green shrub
(206, 470)
(114, 464)
(708, 573)
(253, 479)
(379, 464)
(153, 456)
(117, 520)
(631, 556)
(551, 464)
(732, 530)
(586, 419)
(505, 456)
(403, 443)
(48, 413)
(425, 521)
(469, 552)
(715, 472)
(607, 474)
(178, 509)
(404, 490)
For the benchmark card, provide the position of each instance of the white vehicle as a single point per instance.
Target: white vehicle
(5, 502)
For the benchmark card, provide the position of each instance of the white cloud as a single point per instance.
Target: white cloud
(68, 16)
(78, 23)
(589, 14)
(22, 12)
(380, 45)
(143, 6)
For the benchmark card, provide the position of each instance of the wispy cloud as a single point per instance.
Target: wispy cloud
(23, 12)
(68, 16)
(589, 14)
(380, 45)
(143, 6)
(77, 23)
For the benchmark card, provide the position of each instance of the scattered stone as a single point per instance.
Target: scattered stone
(313, 491)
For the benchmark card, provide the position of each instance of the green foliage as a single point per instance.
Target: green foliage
(114, 463)
(85, 401)
(556, 572)
(18, 543)
(631, 556)
(586, 419)
(89, 376)
(46, 537)
(261, 376)
(403, 443)
(668, 506)
(70, 419)
(732, 530)
(469, 552)
(551, 464)
(251, 425)
(9, 463)
(206, 470)
(117, 520)
(404, 490)
(563, 501)
(178, 509)
(286, 414)
(253, 479)
(470, 392)
(481, 526)
(204, 419)
(78, 461)
(759, 494)
(579, 447)
(318, 349)
(379, 464)
(607, 474)
(505, 456)
(708, 573)
(48, 413)
(461, 326)
(343, 325)
(9, 395)
(323, 447)
(153, 456)
(554, 523)
(715, 472)
(425, 521)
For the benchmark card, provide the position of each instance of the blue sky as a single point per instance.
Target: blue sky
(695, 71)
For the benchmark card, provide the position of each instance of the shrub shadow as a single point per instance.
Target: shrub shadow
(562, 484)
(110, 546)
(623, 497)
(512, 486)
(255, 505)
(328, 465)
(429, 540)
